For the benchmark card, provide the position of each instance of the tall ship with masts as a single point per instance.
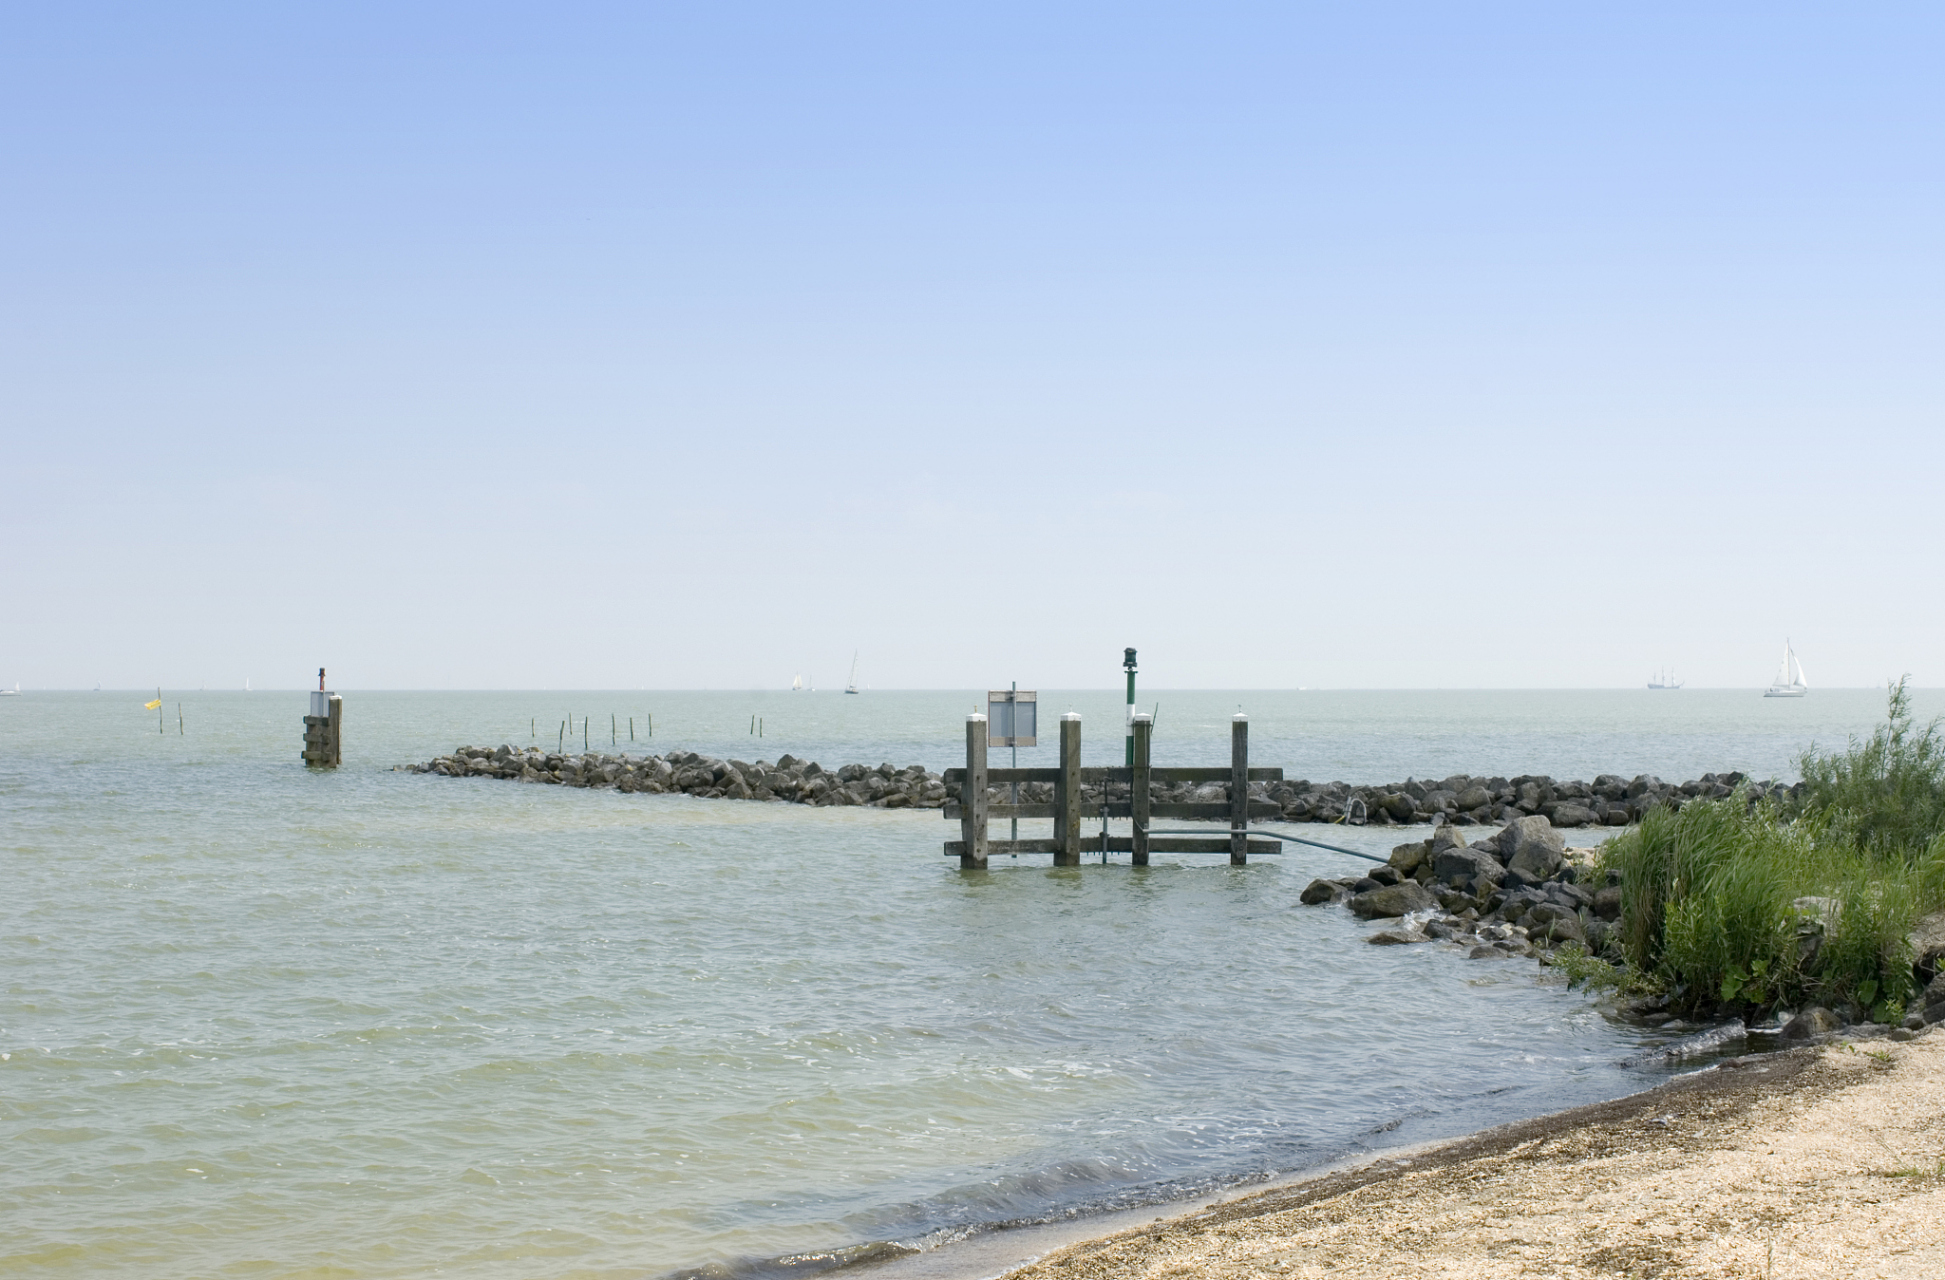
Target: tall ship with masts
(1789, 682)
(1664, 680)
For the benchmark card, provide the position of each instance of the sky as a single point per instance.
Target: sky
(701, 346)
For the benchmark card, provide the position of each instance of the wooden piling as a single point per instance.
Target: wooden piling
(1239, 790)
(631, 728)
(614, 730)
(1138, 796)
(972, 796)
(1067, 794)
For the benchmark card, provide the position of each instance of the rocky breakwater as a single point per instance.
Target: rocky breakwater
(789, 780)
(1515, 892)
(1465, 800)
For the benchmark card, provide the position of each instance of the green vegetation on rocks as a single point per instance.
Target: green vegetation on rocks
(1751, 906)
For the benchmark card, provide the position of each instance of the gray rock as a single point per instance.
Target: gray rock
(1319, 892)
(1550, 922)
(1392, 900)
(1485, 952)
(1529, 831)
(1814, 1021)
(1395, 938)
(1607, 903)
(1446, 837)
(1467, 867)
(1573, 815)
(1473, 798)
(1408, 858)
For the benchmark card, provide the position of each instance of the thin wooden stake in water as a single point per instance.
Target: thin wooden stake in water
(584, 733)
(533, 727)
(563, 742)
(180, 731)
(1239, 790)
(752, 726)
(614, 734)
(651, 724)
(158, 711)
(631, 728)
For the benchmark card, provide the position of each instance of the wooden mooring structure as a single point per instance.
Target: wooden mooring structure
(975, 811)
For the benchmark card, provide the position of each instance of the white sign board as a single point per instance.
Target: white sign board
(1011, 718)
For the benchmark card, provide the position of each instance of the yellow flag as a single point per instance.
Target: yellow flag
(150, 706)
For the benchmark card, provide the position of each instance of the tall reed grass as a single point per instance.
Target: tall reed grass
(1743, 905)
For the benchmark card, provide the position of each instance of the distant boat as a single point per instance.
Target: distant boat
(797, 685)
(853, 686)
(1664, 680)
(1789, 682)
(246, 684)
(15, 691)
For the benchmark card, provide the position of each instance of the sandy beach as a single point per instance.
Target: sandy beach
(1826, 1161)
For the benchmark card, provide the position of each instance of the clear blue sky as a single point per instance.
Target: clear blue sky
(588, 345)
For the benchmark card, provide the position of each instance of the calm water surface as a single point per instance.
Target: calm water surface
(260, 1021)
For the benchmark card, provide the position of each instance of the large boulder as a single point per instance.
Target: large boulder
(1473, 798)
(1607, 903)
(1446, 837)
(1550, 922)
(1407, 858)
(1467, 867)
(1319, 892)
(1536, 843)
(1928, 946)
(1396, 938)
(1812, 1022)
(1573, 815)
(1393, 900)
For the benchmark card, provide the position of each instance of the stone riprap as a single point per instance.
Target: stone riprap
(1462, 800)
(1608, 800)
(789, 779)
(1514, 892)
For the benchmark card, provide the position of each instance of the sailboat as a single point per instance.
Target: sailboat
(15, 691)
(853, 686)
(1789, 682)
(1664, 680)
(797, 685)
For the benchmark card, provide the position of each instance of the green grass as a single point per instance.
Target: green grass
(1709, 894)
(1886, 793)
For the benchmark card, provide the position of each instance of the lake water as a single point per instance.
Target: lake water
(262, 1021)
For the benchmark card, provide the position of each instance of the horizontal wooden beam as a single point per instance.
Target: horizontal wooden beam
(1213, 811)
(1119, 844)
(1095, 777)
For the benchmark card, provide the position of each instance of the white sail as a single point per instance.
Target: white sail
(853, 686)
(797, 685)
(1789, 682)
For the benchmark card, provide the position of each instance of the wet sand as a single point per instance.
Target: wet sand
(1819, 1162)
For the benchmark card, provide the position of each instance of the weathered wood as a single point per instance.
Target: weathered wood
(1119, 844)
(1239, 790)
(1272, 774)
(1139, 808)
(1209, 811)
(972, 795)
(1067, 793)
(1094, 777)
(1000, 776)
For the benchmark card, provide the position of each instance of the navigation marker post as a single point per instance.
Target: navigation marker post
(324, 728)
(1128, 665)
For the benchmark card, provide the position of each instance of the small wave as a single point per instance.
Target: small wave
(1702, 1044)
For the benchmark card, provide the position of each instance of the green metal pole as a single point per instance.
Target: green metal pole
(1128, 664)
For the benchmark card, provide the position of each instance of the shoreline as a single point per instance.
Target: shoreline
(1820, 1161)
